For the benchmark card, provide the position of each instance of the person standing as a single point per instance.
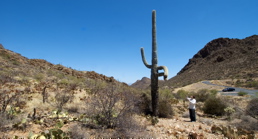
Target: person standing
(192, 103)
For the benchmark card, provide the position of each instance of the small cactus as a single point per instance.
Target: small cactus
(154, 68)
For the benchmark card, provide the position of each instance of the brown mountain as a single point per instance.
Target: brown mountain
(222, 58)
(144, 83)
(14, 64)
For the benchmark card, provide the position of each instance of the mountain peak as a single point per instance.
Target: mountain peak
(142, 84)
(221, 58)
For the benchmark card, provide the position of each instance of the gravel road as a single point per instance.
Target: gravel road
(249, 91)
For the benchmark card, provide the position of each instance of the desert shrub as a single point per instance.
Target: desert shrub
(63, 83)
(39, 76)
(181, 94)
(62, 97)
(110, 105)
(214, 106)
(229, 111)
(213, 92)
(8, 98)
(166, 98)
(15, 62)
(252, 108)
(94, 86)
(252, 84)
(165, 108)
(241, 93)
(255, 95)
(144, 103)
(203, 94)
(239, 83)
(17, 121)
(5, 55)
(238, 113)
(247, 122)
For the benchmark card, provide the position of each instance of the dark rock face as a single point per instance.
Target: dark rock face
(221, 58)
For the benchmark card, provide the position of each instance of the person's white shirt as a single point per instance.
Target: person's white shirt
(192, 103)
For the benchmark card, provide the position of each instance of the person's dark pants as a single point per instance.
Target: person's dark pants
(192, 115)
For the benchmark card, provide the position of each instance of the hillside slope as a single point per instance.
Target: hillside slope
(221, 58)
(14, 64)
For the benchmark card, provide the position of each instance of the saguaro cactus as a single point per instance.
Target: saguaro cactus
(154, 68)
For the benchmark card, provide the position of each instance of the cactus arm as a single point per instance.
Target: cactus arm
(165, 73)
(144, 60)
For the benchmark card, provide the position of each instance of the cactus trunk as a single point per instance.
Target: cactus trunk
(154, 73)
(154, 68)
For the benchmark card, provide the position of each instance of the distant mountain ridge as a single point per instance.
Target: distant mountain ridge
(221, 58)
(144, 83)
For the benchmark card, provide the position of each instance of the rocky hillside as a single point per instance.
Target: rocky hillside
(142, 84)
(222, 58)
(39, 99)
(14, 64)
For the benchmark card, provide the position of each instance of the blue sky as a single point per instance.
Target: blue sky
(105, 36)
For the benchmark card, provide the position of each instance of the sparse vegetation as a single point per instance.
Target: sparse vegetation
(242, 93)
(203, 94)
(181, 94)
(247, 123)
(249, 83)
(165, 104)
(214, 106)
(62, 97)
(110, 105)
(166, 100)
(229, 111)
(86, 104)
(252, 108)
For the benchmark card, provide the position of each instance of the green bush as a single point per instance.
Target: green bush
(203, 94)
(252, 84)
(213, 92)
(39, 77)
(165, 107)
(242, 93)
(181, 94)
(214, 106)
(144, 103)
(239, 83)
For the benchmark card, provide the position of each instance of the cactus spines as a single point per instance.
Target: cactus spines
(154, 68)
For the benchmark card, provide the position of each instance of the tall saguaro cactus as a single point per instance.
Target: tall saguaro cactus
(154, 68)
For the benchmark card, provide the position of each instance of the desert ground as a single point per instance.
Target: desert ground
(177, 127)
